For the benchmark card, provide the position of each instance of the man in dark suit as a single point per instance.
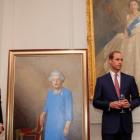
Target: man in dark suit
(117, 114)
(1, 118)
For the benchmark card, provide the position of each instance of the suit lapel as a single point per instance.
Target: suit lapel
(122, 84)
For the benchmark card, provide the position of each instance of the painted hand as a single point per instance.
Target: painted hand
(1, 128)
(66, 131)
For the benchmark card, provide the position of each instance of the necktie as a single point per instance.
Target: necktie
(116, 84)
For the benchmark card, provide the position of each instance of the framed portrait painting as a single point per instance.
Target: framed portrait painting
(113, 25)
(28, 86)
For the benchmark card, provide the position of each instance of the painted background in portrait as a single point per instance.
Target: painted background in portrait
(31, 86)
(109, 19)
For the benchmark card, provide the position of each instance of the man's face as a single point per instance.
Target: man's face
(116, 62)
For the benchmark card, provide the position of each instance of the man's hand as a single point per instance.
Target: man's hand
(115, 105)
(124, 103)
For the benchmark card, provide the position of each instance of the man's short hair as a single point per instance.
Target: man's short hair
(111, 55)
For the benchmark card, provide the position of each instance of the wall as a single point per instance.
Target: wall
(1, 16)
(39, 24)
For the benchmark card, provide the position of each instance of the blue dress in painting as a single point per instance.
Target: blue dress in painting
(59, 110)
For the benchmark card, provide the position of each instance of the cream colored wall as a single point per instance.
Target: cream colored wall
(43, 24)
(39, 24)
(1, 16)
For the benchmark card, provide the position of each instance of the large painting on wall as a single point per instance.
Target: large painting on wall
(28, 86)
(114, 25)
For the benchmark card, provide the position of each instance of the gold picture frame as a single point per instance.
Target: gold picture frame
(91, 48)
(27, 78)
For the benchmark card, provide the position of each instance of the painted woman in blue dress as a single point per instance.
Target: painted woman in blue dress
(128, 43)
(58, 110)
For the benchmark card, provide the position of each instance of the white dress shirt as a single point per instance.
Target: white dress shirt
(118, 76)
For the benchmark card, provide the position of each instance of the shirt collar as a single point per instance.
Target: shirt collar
(113, 73)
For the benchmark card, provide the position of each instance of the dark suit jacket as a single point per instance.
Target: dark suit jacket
(105, 93)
